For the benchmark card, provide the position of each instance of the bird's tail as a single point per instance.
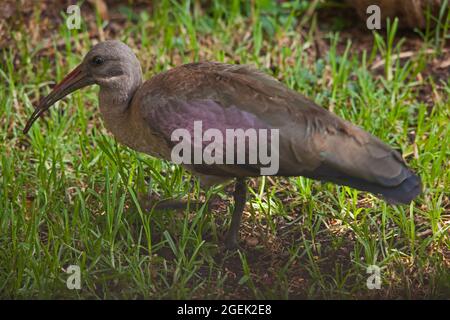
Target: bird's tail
(360, 160)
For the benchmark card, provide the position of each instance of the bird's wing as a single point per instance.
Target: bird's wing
(196, 118)
(312, 141)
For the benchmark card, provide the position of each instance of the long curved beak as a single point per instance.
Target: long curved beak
(73, 81)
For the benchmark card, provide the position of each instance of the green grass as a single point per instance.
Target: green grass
(69, 193)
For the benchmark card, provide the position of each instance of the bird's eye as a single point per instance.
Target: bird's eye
(97, 60)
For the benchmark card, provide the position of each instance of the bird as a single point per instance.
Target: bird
(312, 141)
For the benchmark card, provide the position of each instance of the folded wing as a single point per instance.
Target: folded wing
(312, 141)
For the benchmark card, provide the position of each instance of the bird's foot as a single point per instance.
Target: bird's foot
(154, 203)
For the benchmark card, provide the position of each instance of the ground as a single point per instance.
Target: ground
(69, 192)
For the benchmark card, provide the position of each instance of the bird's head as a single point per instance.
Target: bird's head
(110, 64)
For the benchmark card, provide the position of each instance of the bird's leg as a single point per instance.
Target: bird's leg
(240, 197)
(169, 204)
(176, 204)
(152, 201)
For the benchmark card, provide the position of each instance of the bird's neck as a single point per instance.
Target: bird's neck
(115, 107)
(115, 102)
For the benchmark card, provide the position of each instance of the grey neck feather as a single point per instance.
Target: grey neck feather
(115, 99)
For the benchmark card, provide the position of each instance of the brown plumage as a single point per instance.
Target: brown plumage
(312, 141)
